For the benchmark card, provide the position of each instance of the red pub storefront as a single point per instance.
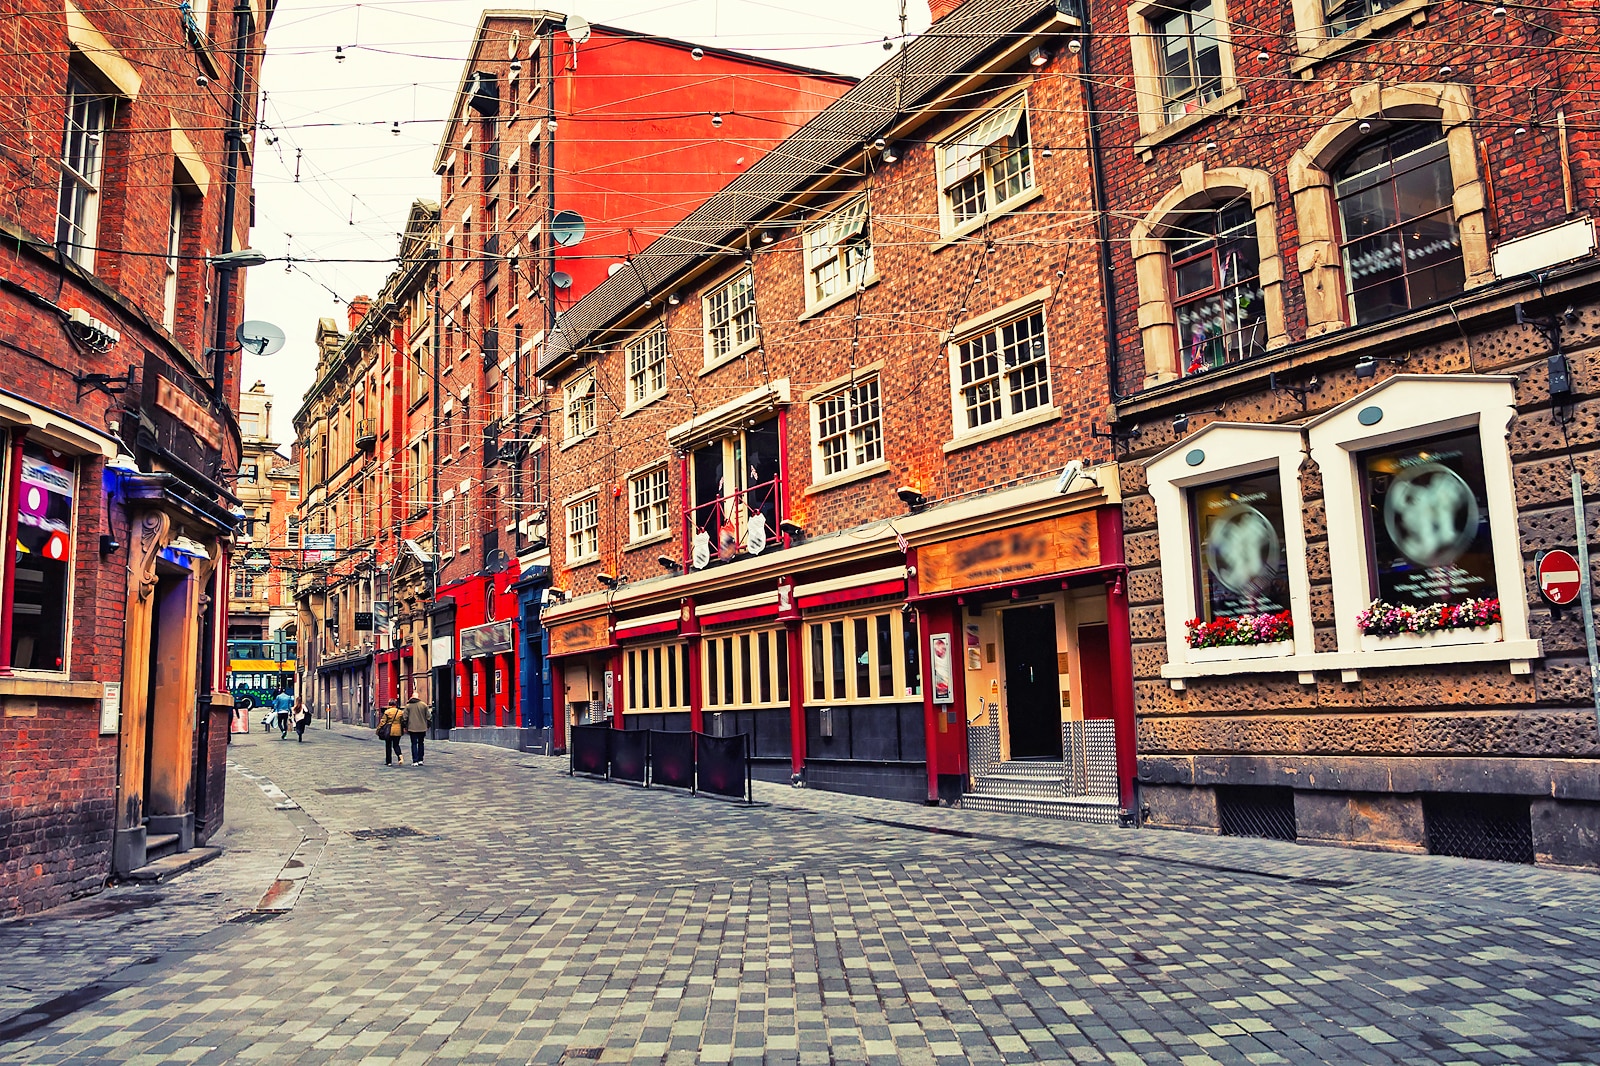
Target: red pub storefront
(908, 660)
(484, 686)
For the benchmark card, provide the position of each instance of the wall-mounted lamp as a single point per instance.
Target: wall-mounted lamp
(891, 154)
(674, 299)
(912, 497)
(1366, 367)
(793, 529)
(668, 563)
(1180, 424)
(1038, 57)
(611, 581)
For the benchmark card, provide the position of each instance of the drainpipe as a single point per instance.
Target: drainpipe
(233, 140)
(1097, 186)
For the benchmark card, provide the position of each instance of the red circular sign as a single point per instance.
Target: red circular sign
(1559, 576)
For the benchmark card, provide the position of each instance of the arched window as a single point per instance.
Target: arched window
(1399, 243)
(1216, 286)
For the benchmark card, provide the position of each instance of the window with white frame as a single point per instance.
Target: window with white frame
(1001, 374)
(44, 511)
(839, 252)
(647, 366)
(987, 165)
(169, 298)
(578, 401)
(847, 429)
(648, 495)
(746, 670)
(656, 678)
(730, 318)
(863, 657)
(82, 167)
(583, 530)
(292, 532)
(1189, 52)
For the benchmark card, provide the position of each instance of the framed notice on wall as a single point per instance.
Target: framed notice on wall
(111, 708)
(944, 689)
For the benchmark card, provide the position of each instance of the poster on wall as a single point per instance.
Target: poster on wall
(1429, 516)
(610, 708)
(944, 691)
(1239, 528)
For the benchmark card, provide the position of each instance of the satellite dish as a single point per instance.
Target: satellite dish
(577, 28)
(561, 279)
(613, 268)
(259, 338)
(567, 227)
(497, 562)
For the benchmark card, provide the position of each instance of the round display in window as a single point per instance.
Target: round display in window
(1431, 514)
(1243, 550)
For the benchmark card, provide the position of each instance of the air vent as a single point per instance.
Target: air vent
(1256, 811)
(1498, 828)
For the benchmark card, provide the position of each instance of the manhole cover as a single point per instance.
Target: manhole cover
(344, 790)
(573, 1053)
(386, 833)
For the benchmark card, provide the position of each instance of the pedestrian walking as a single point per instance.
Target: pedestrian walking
(282, 705)
(419, 716)
(391, 724)
(302, 718)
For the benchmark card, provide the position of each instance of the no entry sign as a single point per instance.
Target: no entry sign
(1559, 576)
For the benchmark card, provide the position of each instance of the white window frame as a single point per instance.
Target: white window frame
(640, 692)
(852, 432)
(994, 325)
(742, 335)
(579, 409)
(583, 541)
(1315, 43)
(961, 155)
(650, 504)
(852, 696)
(169, 289)
(1222, 452)
(291, 532)
(1412, 407)
(1149, 87)
(717, 644)
(88, 121)
(841, 245)
(646, 357)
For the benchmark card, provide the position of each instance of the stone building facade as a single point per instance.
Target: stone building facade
(1353, 278)
(118, 440)
(825, 469)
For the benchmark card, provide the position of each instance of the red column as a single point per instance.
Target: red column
(558, 706)
(797, 696)
(616, 690)
(8, 557)
(1120, 637)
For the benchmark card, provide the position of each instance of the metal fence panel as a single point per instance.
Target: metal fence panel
(589, 749)
(672, 758)
(630, 754)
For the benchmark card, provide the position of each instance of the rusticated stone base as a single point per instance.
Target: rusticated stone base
(1360, 819)
(1180, 807)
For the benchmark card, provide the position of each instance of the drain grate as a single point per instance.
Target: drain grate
(344, 790)
(1256, 811)
(574, 1053)
(1478, 827)
(391, 832)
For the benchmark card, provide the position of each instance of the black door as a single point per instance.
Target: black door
(1033, 694)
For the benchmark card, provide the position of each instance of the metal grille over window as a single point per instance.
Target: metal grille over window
(1004, 373)
(731, 317)
(1191, 58)
(850, 428)
(82, 163)
(1498, 828)
(1216, 270)
(989, 162)
(1401, 246)
(1256, 811)
(648, 495)
(647, 366)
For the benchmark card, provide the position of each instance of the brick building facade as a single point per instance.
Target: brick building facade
(1345, 243)
(825, 469)
(119, 439)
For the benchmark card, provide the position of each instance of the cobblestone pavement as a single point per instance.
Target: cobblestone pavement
(485, 907)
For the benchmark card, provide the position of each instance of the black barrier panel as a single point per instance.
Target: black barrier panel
(630, 751)
(672, 758)
(725, 764)
(590, 749)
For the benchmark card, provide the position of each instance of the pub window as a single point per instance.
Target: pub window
(1190, 56)
(746, 670)
(1427, 516)
(738, 493)
(583, 530)
(839, 252)
(578, 400)
(1241, 561)
(42, 562)
(648, 496)
(83, 152)
(867, 657)
(657, 679)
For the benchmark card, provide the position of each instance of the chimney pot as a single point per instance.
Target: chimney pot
(940, 8)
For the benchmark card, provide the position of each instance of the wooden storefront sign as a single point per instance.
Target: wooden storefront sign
(1038, 549)
(590, 634)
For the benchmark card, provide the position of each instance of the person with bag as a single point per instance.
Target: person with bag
(302, 718)
(419, 716)
(391, 724)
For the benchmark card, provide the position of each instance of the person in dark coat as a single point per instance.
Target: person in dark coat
(419, 716)
(302, 718)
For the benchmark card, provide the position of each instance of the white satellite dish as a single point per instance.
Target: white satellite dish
(567, 227)
(259, 338)
(577, 28)
(561, 279)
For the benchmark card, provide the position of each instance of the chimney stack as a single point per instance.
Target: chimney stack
(940, 8)
(358, 310)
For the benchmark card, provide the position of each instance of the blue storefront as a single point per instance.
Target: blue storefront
(533, 664)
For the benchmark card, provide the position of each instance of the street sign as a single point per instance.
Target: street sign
(257, 561)
(319, 542)
(1560, 577)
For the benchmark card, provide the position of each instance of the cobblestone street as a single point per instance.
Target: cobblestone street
(484, 907)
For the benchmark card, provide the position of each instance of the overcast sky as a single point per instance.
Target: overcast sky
(334, 181)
